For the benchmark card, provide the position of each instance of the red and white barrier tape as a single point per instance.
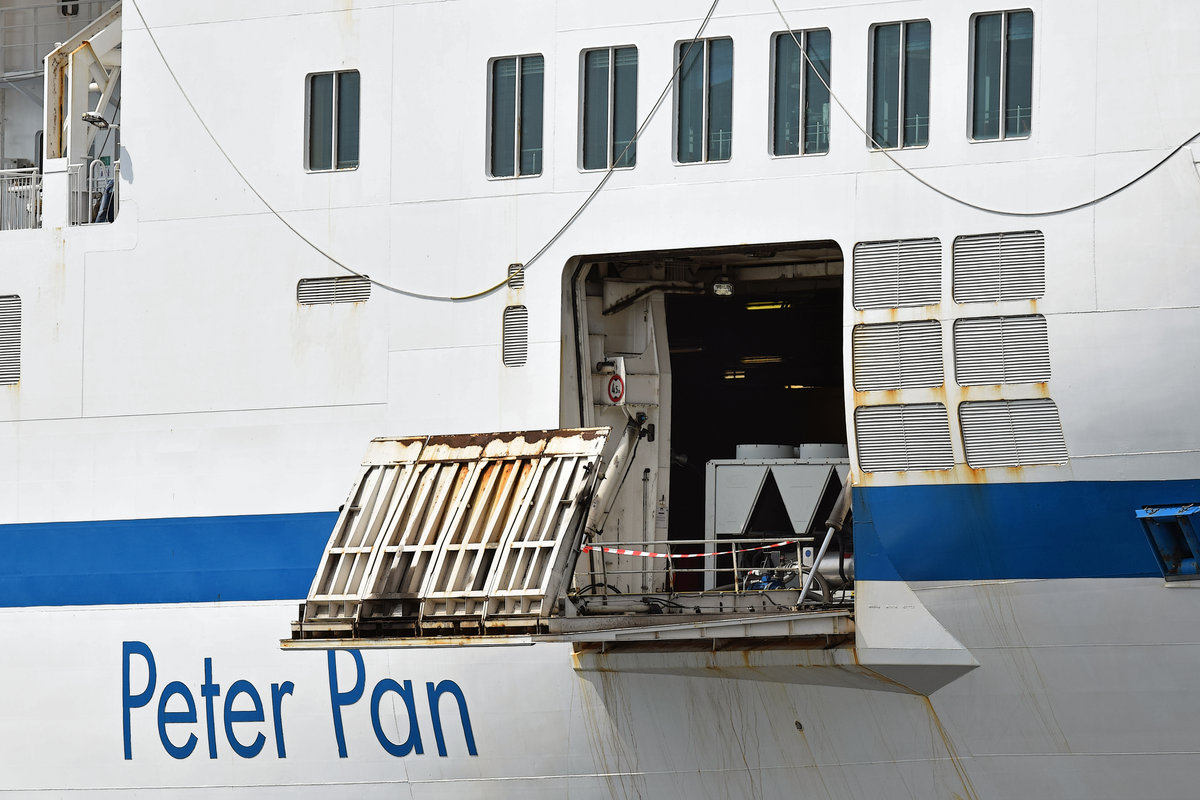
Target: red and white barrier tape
(617, 551)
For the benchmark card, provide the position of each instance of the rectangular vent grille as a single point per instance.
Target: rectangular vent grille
(899, 438)
(999, 266)
(10, 339)
(1001, 350)
(340, 289)
(1012, 433)
(515, 336)
(516, 276)
(906, 272)
(898, 355)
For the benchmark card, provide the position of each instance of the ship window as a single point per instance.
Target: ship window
(900, 85)
(333, 120)
(10, 339)
(515, 336)
(517, 85)
(801, 101)
(1002, 79)
(704, 101)
(609, 108)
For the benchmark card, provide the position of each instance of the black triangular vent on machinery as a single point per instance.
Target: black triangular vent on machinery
(770, 515)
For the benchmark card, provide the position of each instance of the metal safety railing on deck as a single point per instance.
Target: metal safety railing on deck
(728, 564)
(93, 189)
(31, 30)
(20, 199)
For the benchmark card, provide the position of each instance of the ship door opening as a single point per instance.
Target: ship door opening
(728, 361)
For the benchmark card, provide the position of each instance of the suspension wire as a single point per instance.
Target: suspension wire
(407, 292)
(954, 198)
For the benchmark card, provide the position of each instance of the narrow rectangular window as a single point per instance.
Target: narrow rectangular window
(900, 85)
(609, 107)
(704, 101)
(801, 108)
(518, 85)
(1002, 75)
(333, 120)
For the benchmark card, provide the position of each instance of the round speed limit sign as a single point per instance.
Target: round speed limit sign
(616, 389)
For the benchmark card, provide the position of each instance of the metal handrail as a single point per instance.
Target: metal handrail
(725, 547)
(22, 53)
(20, 199)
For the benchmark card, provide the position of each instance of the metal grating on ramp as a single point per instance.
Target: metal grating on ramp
(456, 532)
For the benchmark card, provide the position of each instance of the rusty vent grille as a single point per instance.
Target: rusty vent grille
(10, 339)
(339, 289)
(898, 355)
(904, 437)
(1001, 350)
(904, 272)
(515, 336)
(999, 266)
(442, 531)
(516, 276)
(1012, 433)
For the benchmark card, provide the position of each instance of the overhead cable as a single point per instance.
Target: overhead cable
(408, 292)
(948, 195)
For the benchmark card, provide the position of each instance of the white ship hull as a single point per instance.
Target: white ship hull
(183, 428)
(1055, 709)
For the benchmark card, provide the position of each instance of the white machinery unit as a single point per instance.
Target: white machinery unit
(766, 478)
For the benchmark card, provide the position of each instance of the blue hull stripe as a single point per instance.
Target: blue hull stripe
(1011, 530)
(263, 557)
(913, 533)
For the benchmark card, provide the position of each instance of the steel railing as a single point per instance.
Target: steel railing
(29, 32)
(20, 199)
(93, 192)
(736, 564)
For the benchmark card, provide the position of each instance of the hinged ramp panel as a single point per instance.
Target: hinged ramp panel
(472, 531)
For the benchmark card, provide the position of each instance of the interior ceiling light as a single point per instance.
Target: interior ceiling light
(722, 287)
(767, 305)
(762, 359)
(734, 374)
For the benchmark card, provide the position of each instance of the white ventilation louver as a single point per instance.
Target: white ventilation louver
(10, 339)
(516, 276)
(1001, 350)
(897, 355)
(899, 438)
(898, 273)
(999, 266)
(515, 336)
(478, 530)
(1012, 433)
(339, 289)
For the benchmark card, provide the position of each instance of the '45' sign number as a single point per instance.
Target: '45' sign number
(616, 389)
